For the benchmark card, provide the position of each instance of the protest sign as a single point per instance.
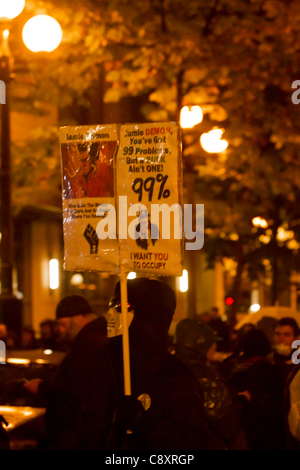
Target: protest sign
(149, 189)
(88, 181)
(145, 160)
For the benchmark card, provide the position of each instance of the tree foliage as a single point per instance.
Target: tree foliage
(237, 60)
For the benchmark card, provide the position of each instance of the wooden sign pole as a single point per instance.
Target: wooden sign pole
(125, 334)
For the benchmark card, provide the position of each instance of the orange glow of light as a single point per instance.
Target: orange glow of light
(17, 360)
(42, 33)
(211, 141)
(190, 116)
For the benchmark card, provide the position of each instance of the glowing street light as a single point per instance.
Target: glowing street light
(211, 141)
(259, 222)
(184, 281)
(254, 308)
(190, 116)
(131, 275)
(10, 9)
(264, 223)
(283, 235)
(76, 279)
(293, 245)
(4, 51)
(42, 33)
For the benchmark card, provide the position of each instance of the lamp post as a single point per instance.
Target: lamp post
(5, 217)
(211, 142)
(10, 306)
(189, 117)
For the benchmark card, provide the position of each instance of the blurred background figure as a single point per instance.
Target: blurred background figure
(285, 333)
(195, 344)
(256, 381)
(228, 365)
(267, 325)
(3, 332)
(292, 410)
(28, 339)
(48, 335)
(236, 336)
(12, 340)
(53, 336)
(221, 329)
(204, 317)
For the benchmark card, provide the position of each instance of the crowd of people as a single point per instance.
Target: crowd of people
(50, 336)
(211, 388)
(256, 375)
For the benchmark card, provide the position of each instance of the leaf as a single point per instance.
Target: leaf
(113, 94)
(218, 113)
(195, 75)
(158, 115)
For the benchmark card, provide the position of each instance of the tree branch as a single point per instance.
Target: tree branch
(210, 17)
(163, 17)
(179, 93)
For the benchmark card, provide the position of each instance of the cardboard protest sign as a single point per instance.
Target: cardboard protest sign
(149, 189)
(88, 180)
(133, 225)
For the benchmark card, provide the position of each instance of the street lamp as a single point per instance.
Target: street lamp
(259, 222)
(42, 33)
(211, 141)
(11, 9)
(190, 116)
(10, 306)
(184, 281)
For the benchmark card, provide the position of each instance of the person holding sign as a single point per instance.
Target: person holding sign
(165, 409)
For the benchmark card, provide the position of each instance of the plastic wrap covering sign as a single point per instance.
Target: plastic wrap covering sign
(88, 180)
(149, 189)
(2, 353)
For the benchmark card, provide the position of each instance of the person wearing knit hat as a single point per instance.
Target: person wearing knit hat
(73, 313)
(73, 305)
(67, 393)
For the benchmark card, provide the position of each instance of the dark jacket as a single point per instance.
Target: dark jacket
(291, 442)
(263, 414)
(67, 393)
(220, 403)
(165, 409)
(175, 419)
(223, 331)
